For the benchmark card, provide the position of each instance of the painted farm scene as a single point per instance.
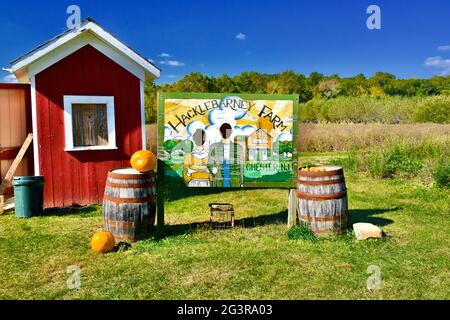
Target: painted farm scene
(260, 162)
(229, 142)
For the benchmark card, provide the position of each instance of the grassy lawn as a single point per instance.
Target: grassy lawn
(253, 261)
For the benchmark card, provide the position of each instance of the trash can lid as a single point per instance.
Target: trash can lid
(29, 178)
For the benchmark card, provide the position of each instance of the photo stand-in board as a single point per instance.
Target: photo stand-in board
(217, 140)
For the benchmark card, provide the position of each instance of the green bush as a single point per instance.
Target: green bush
(435, 110)
(392, 162)
(442, 174)
(352, 162)
(365, 109)
(399, 158)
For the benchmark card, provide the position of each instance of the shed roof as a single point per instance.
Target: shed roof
(19, 66)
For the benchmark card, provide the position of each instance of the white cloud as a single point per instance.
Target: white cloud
(230, 109)
(444, 48)
(285, 137)
(170, 134)
(217, 117)
(241, 36)
(171, 76)
(213, 134)
(173, 63)
(443, 65)
(236, 106)
(10, 78)
(165, 55)
(193, 126)
(244, 131)
(227, 112)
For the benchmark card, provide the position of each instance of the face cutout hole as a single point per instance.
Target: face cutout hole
(225, 130)
(199, 137)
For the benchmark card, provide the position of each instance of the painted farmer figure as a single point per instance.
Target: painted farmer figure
(195, 169)
(226, 160)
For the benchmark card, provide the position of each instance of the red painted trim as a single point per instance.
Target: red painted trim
(14, 86)
(9, 153)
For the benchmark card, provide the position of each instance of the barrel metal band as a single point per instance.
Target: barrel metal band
(309, 196)
(115, 223)
(130, 238)
(125, 176)
(130, 186)
(130, 200)
(321, 173)
(320, 183)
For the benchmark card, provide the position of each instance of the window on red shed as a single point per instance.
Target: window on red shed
(90, 126)
(89, 123)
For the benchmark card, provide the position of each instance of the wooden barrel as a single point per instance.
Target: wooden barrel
(129, 204)
(322, 200)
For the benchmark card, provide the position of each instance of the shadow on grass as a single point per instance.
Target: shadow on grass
(172, 194)
(81, 211)
(181, 229)
(367, 215)
(250, 222)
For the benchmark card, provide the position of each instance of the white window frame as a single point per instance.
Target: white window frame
(68, 124)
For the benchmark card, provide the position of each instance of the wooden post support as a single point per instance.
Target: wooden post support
(292, 208)
(160, 201)
(16, 162)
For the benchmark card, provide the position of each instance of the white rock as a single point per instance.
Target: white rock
(365, 231)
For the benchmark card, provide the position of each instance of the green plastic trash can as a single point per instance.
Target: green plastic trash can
(28, 196)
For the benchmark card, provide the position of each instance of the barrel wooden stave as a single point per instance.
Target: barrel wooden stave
(129, 205)
(322, 201)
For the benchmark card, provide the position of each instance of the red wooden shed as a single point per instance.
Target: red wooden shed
(87, 107)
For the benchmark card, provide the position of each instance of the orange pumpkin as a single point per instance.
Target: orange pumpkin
(143, 161)
(102, 241)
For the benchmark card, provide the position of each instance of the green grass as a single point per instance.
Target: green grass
(255, 260)
(321, 157)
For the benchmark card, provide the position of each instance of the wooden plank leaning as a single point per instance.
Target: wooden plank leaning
(10, 174)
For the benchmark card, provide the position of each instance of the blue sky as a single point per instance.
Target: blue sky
(216, 37)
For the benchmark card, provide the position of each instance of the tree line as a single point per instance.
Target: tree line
(315, 86)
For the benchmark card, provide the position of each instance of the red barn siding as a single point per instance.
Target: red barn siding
(78, 177)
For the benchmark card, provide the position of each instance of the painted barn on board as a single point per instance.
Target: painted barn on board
(87, 110)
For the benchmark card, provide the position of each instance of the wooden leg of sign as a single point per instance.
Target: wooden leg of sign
(160, 216)
(160, 201)
(292, 208)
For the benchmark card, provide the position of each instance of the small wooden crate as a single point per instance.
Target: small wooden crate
(222, 215)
